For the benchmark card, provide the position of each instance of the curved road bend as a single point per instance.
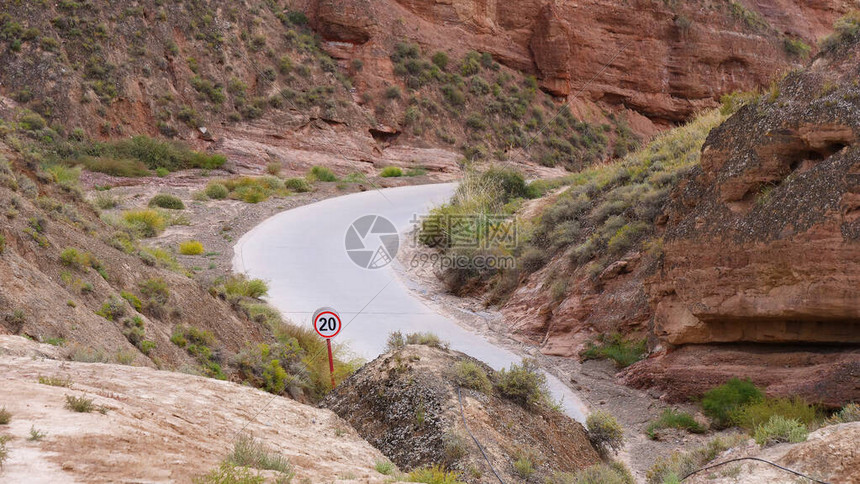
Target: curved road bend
(301, 254)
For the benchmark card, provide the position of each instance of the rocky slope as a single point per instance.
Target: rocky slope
(158, 426)
(662, 61)
(405, 403)
(733, 249)
(339, 83)
(762, 240)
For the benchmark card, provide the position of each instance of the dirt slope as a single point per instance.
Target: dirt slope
(405, 404)
(160, 426)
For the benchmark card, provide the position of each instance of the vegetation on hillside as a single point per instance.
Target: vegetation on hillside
(487, 110)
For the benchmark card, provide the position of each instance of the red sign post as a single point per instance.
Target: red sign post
(327, 324)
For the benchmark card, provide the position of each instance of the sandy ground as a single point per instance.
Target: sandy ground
(158, 426)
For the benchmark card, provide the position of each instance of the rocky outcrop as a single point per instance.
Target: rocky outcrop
(763, 243)
(763, 246)
(405, 403)
(662, 60)
(551, 51)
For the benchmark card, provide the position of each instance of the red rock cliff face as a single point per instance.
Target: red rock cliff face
(664, 60)
(763, 246)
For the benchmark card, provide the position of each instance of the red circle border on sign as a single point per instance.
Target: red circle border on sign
(339, 324)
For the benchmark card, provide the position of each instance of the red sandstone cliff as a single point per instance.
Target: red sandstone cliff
(663, 60)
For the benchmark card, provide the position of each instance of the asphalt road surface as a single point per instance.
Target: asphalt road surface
(302, 254)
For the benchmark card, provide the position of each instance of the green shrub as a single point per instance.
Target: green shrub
(393, 92)
(612, 473)
(121, 167)
(604, 432)
(426, 339)
(71, 257)
(671, 418)
(250, 452)
(113, 309)
(846, 29)
(779, 429)
(167, 201)
(228, 473)
(80, 404)
(848, 413)
(384, 467)
(132, 299)
(680, 464)
(5, 416)
(2, 244)
(321, 173)
(239, 285)
(155, 289)
(524, 383)
(524, 468)
(191, 247)
(391, 171)
(147, 222)
(622, 351)
(299, 185)
(719, 402)
(758, 412)
(796, 47)
(440, 59)
(471, 375)
(434, 475)
(217, 191)
(154, 154)
(396, 341)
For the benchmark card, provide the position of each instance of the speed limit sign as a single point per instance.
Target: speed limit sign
(327, 322)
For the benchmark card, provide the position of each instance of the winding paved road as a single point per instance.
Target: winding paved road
(301, 253)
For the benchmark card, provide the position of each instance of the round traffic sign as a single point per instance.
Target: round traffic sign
(327, 322)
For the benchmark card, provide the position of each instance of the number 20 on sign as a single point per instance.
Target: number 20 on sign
(327, 324)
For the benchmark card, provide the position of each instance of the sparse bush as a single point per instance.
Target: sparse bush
(391, 171)
(5, 416)
(80, 404)
(848, 413)
(757, 412)
(434, 475)
(155, 290)
(35, 434)
(614, 472)
(133, 300)
(524, 468)
(228, 473)
(846, 29)
(191, 247)
(384, 467)
(147, 222)
(250, 452)
(321, 173)
(426, 339)
(622, 351)
(441, 60)
(671, 418)
(719, 402)
(396, 341)
(779, 429)
(217, 191)
(524, 383)
(55, 381)
(604, 432)
(471, 375)
(796, 47)
(169, 202)
(393, 92)
(533, 259)
(113, 309)
(239, 285)
(299, 185)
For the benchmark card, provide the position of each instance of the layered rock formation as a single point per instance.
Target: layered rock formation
(763, 245)
(664, 60)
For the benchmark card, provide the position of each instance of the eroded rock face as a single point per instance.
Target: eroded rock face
(764, 241)
(660, 60)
